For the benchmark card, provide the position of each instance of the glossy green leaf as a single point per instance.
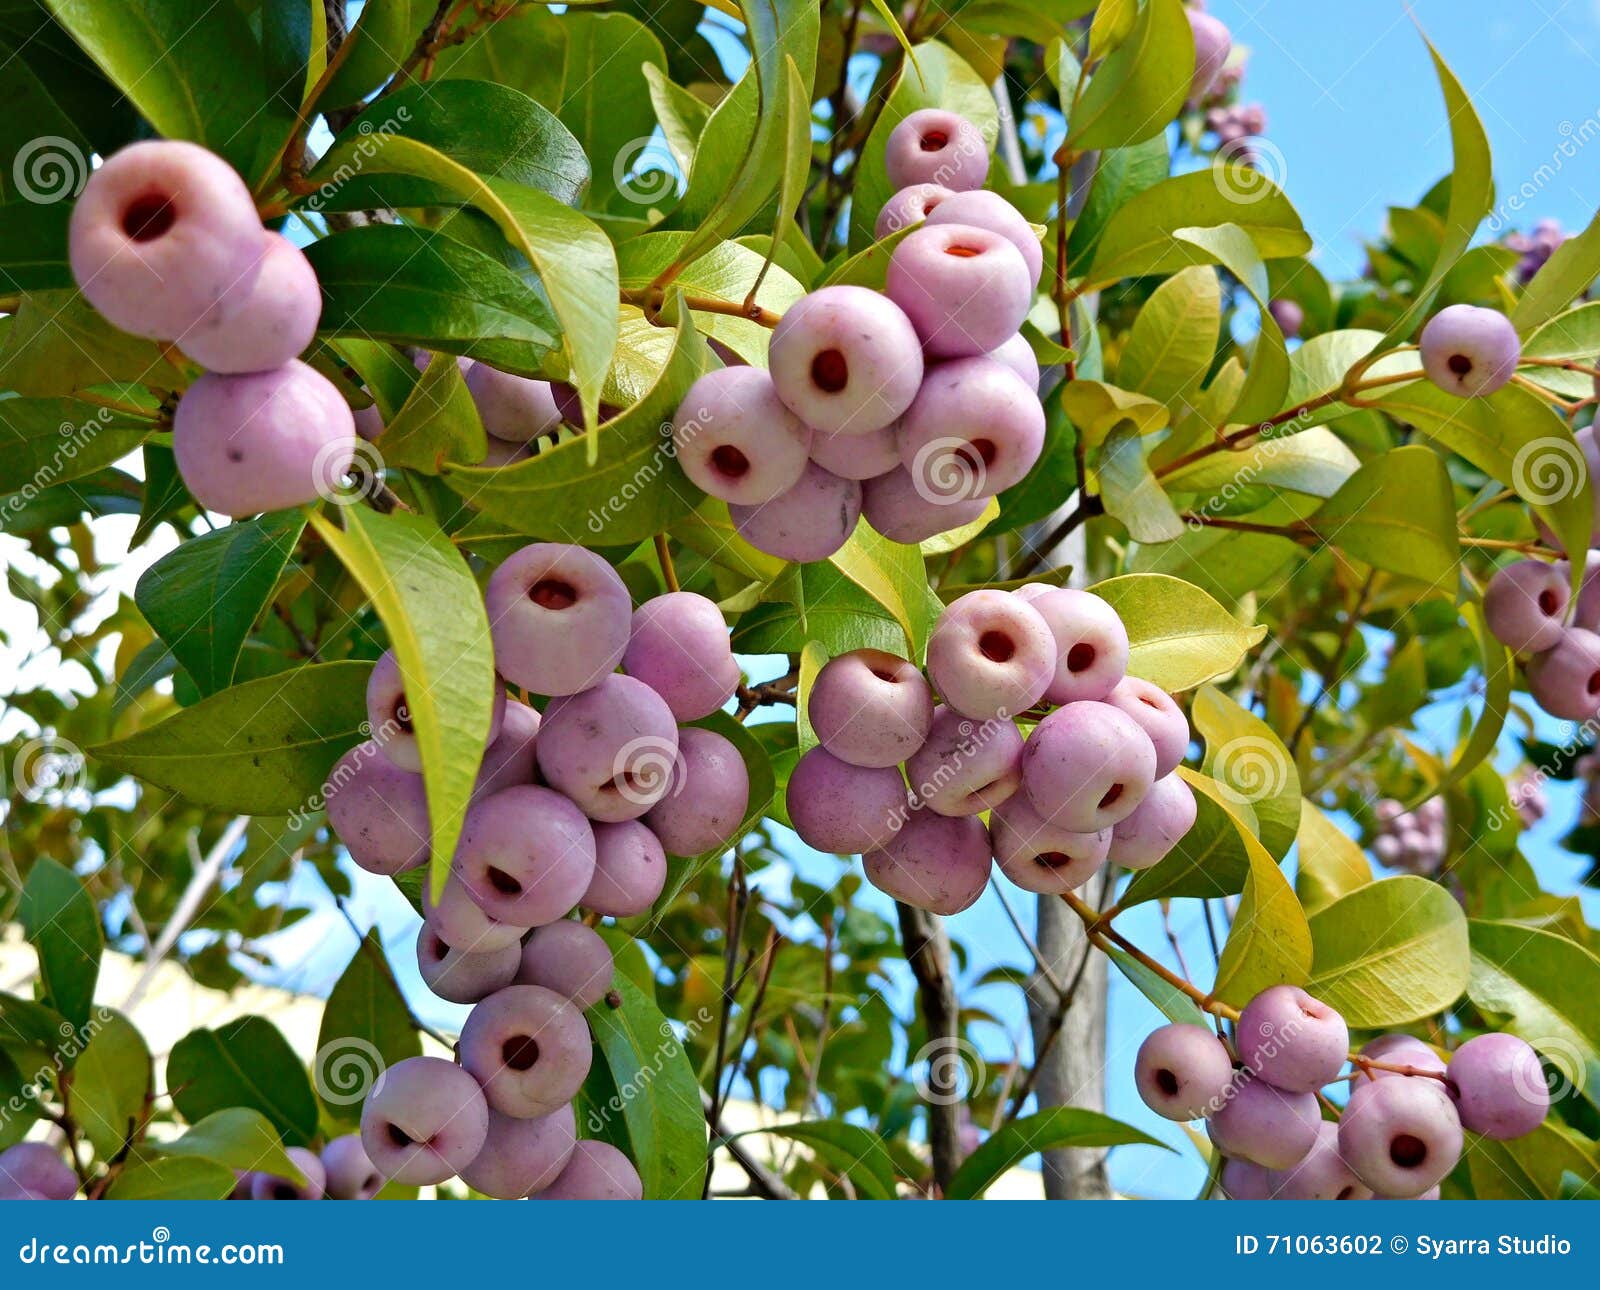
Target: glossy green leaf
(1329, 864)
(1173, 1003)
(1174, 338)
(1049, 1130)
(1567, 275)
(433, 612)
(893, 574)
(61, 922)
(203, 597)
(366, 1028)
(849, 1150)
(384, 34)
(240, 1138)
(1180, 637)
(1120, 175)
(636, 487)
(1267, 377)
(263, 747)
(110, 1084)
(1245, 756)
(1209, 861)
(56, 344)
(49, 441)
(1398, 514)
(1141, 85)
(243, 1063)
(1270, 941)
(659, 1119)
(1390, 952)
(1129, 489)
(172, 1178)
(436, 425)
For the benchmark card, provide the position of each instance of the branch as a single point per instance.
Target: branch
(927, 947)
(762, 1180)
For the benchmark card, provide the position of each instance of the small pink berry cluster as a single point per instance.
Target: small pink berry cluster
(1412, 841)
(1536, 247)
(577, 807)
(165, 243)
(1400, 1132)
(912, 406)
(1530, 609)
(904, 778)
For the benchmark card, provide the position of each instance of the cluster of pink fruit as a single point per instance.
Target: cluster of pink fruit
(911, 407)
(1400, 1132)
(1413, 841)
(903, 778)
(577, 807)
(165, 243)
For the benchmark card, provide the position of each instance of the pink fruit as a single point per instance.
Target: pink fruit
(1091, 647)
(870, 708)
(424, 1121)
(1156, 825)
(526, 855)
(679, 647)
(1183, 1072)
(706, 798)
(1291, 1040)
(907, 207)
(858, 456)
(458, 921)
(1525, 605)
(1322, 1175)
(1468, 350)
(736, 439)
(966, 767)
(1264, 1124)
(560, 617)
(1042, 857)
(990, 655)
(630, 870)
(350, 1172)
(973, 431)
(509, 760)
(569, 958)
(610, 749)
(1400, 1136)
(966, 290)
(390, 718)
(1158, 716)
(378, 811)
(844, 809)
(1087, 766)
(528, 1048)
(520, 1157)
(597, 1171)
(462, 977)
(1499, 1086)
(514, 409)
(992, 212)
(1212, 45)
(808, 523)
(935, 862)
(1566, 679)
(263, 441)
(845, 359)
(932, 146)
(274, 324)
(907, 509)
(165, 236)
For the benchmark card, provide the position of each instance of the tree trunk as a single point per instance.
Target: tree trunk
(927, 946)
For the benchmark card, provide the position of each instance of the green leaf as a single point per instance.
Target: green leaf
(110, 1082)
(941, 79)
(682, 870)
(1141, 241)
(56, 344)
(1572, 337)
(1209, 861)
(61, 922)
(821, 606)
(192, 68)
(1141, 85)
(1396, 513)
(1270, 942)
(1513, 436)
(240, 1138)
(848, 1150)
(244, 1063)
(1246, 757)
(894, 575)
(33, 246)
(203, 597)
(1568, 274)
(172, 1178)
(260, 748)
(573, 258)
(1329, 863)
(493, 131)
(366, 1028)
(1180, 637)
(1532, 1167)
(1499, 672)
(413, 286)
(1390, 952)
(164, 494)
(383, 37)
(1119, 175)
(49, 441)
(739, 161)
(1471, 194)
(1130, 491)
(1268, 377)
(437, 424)
(1174, 338)
(432, 609)
(1174, 1004)
(1543, 988)
(1314, 462)
(660, 1121)
(1060, 1126)
(21, 1106)
(636, 488)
